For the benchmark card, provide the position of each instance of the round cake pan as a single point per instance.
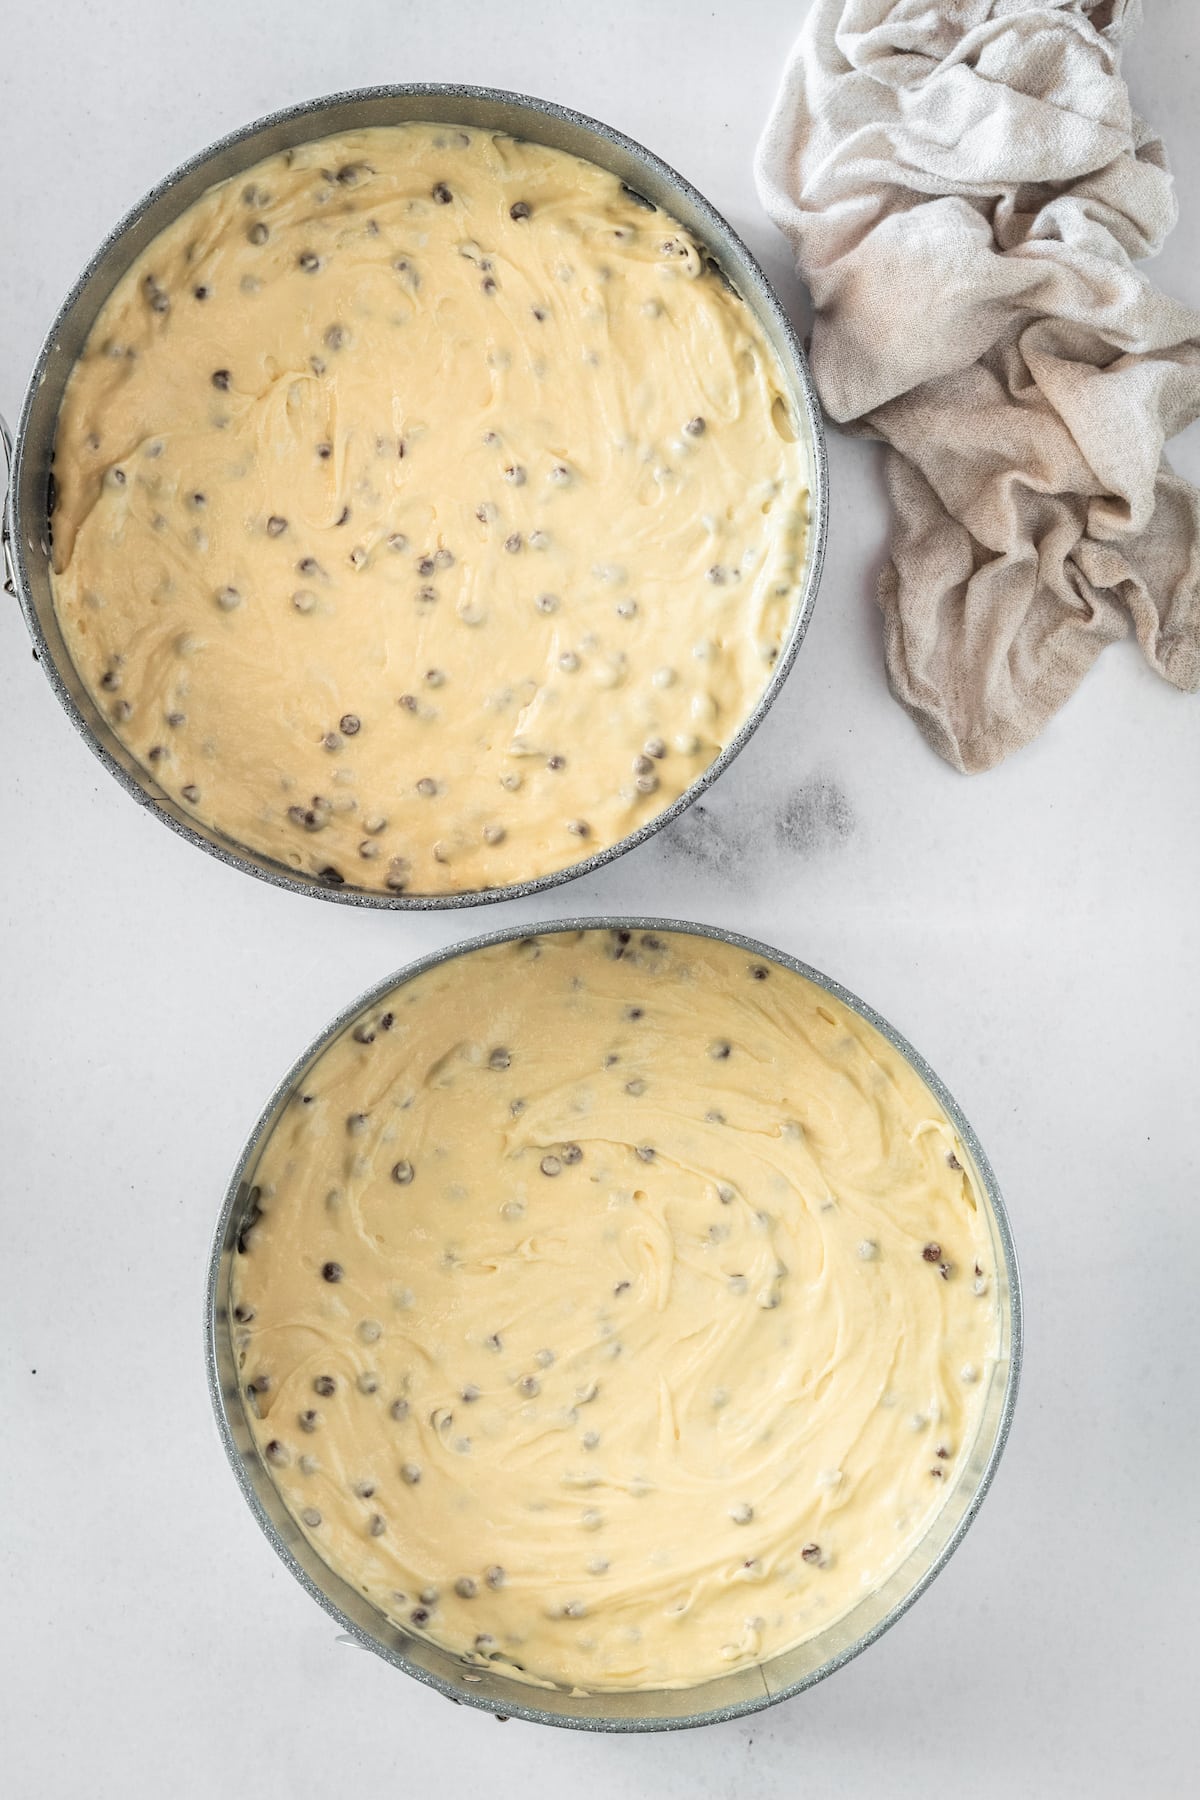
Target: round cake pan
(727, 1696)
(26, 524)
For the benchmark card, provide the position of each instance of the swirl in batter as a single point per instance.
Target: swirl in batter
(614, 1307)
(429, 511)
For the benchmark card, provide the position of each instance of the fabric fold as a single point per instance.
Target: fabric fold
(965, 188)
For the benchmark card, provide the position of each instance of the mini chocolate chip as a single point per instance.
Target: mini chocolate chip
(530, 1386)
(277, 1453)
(377, 1525)
(419, 1615)
(645, 1152)
(811, 1553)
(221, 378)
(335, 337)
(500, 1058)
(324, 1385)
(398, 1409)
(402, 1172)
(520, 209)
(494, 1576)
(513, 542)
(410, 1473)
(550, 1165)
(556, 762)
(331, 875)
(696, 427)
(201, 292)
(311, 1517)
(952, 1160)
(932, 1253)
(758, 972)
(332, 1271)
(351, 724)
(343, 516)
(571, 1153)
(276, 525)
(720, 1050)
(258, 233)
(324, 451)
(309, 1419)
(309, 261)
(465, 1587)
(441, 193)
(243, 1314)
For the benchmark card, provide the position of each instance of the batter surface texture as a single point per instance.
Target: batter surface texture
(429, 511)
(615, 1307)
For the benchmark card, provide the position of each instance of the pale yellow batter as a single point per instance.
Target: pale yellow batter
(615, 1307)
(429, 514)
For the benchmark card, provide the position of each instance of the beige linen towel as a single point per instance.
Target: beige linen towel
(965, 186)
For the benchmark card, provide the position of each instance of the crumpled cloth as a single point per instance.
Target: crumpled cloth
(965, 185)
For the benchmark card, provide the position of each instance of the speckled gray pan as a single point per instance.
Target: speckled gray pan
(26, 527)
(729, 1696)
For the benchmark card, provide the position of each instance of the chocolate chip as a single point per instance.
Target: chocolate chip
(331, 875)
(644, 1152)
(419, 1615)
(377, 1524)
(952, 1160)
(758, 972)
(932, 1253)
(335, 337)
(465, 1587)
(556, 762)
(520, 209)
(398, 1410)
(402, 1172)
(351, 724)
(324, 451)
(547, 603)
(277, 1453)
(201, 293)
(720, 1050)
(243, 1314)
(276, 525)
(410, 1473)
(221, 378)
(332, 1271)
(494, 1576)
(324, 1385)
(441, 193)
(258, 233)
(311, 1517)
(308, 1420)
(696, 427)
(571, 1154)
(530, 1386)
(513, 542)
(309, 261)
(500, 1058)
(550, 1165)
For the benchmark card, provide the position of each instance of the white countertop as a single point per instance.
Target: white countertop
(1033, 931)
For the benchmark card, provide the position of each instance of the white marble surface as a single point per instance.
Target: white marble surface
(1032, 930)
